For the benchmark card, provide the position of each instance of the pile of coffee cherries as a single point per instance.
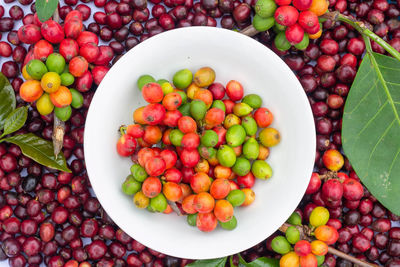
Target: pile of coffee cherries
(306, 252)
(46, 83)
(196, 148)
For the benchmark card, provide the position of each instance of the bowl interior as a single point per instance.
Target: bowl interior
(232, 56)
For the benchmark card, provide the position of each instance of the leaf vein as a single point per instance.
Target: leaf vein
(385, 67)
(398, 84)
(394, 160)
(384, 85)
(364, 97)
(380, 139)
(365, 76)
(375, 115)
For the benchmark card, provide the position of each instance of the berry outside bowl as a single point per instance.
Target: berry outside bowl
(233, 56)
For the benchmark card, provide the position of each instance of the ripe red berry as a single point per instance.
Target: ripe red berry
(286, 15)
(302, 4)
(302, 248)
(352, 189)
(309, 22)
(283, 2)
(294, 34)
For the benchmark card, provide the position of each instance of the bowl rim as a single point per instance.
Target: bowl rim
(190, 31)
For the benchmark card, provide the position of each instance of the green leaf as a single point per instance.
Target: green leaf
(7, 99)
(45, 9)
(371, 128)
(219, 262)
(260, 262)
(39, 150)
(15, 120)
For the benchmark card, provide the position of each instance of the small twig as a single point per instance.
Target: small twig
(352, 259)
(174, 207)
(249, 31)
(328, 175)
(58, 125)
(58, 135)
(305, 231)
(305, 234)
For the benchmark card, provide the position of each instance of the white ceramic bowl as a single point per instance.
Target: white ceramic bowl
(232, 56)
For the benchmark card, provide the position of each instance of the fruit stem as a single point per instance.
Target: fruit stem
(363, 29)
(329, 175)
(305, 231)
(306, 235)
(122, 130)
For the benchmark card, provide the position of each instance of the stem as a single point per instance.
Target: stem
(358, 25)
(305, 231)
(174, 207)
(122, 130)
(352, 259)
(249, 31)
(58, 135)
(58, 125)
(380, 75)
(305, 235)
(363, 29)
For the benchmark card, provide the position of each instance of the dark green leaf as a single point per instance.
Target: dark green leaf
(7, 99)
(260, 262)
(220, 262)
(39, 150)
(371, 128)
(15, 120)
(45, 8)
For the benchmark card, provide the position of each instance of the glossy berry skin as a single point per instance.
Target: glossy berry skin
(52, 31)
(309, 22)
(333, 160)
(42, 50)
(69, 48)
(154, 114)
(352, 189)
(302, 4)
(314, 184)
(356, 46)
(98, 73)
(78, 66)
(73, 28)
(29, 34)
(89, 51)
(126, 145)
(294, 33)
(329, 47)
(87, 37)
(302, 248)
(286, 15)
(332, 190)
